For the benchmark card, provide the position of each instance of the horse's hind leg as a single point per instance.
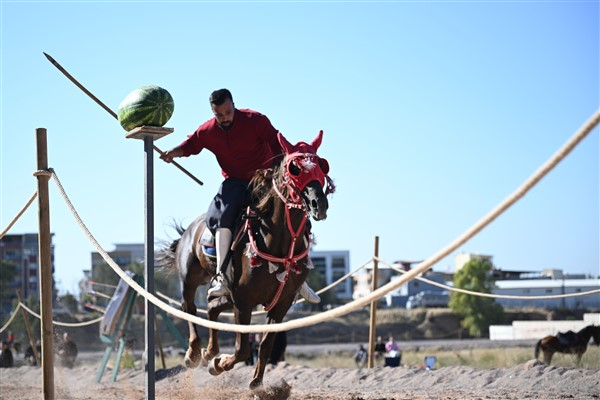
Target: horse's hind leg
(193, 353)
(548, 356)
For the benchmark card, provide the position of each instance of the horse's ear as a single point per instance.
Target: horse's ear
(287, 146)
(317, 141)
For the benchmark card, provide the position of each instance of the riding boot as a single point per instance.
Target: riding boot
(308, 294)
(222, 280)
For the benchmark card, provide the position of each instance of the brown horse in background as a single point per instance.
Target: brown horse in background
(269, 257)
(578, 345)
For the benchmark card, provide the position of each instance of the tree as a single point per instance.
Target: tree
(8, 274)
(317, 282)
(70, 302)
(478, 312)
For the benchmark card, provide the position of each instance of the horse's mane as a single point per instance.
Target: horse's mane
(262, 185)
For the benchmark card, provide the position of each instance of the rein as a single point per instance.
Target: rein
(291, 261)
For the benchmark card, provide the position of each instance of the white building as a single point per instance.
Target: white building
(333, 265)
(549, 287)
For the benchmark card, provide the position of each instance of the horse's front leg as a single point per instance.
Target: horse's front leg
(266, 345)
(215, 307)
(192, 355)
(579, 356)
(242, 346)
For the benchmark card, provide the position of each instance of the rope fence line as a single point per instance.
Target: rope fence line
(571, 143)
(93, 283)
(66, 324)
(58, 323)
(13, 314)
(375, 295)
(261, 312)
(490, 295)
(16, 218)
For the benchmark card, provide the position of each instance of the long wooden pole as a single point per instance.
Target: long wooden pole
(159, 343)
(45, 267)
(111, 112)
(374, 284)
(36, 356)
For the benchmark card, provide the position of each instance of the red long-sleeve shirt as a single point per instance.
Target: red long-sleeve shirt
(249, 145)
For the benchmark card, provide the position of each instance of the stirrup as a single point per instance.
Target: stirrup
(308, 294)
(219, 287)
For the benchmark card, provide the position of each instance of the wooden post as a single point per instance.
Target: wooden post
(28, 329)
(374, 284)
(159, 343)
(45, 267)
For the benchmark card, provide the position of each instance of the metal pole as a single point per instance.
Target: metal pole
(45, 267)
(372, 327)
(149, 267)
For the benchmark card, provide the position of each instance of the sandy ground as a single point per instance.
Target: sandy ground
(531, 380)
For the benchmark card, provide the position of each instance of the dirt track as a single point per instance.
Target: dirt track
(531, 380)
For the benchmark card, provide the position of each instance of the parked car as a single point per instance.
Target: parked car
(428, 299)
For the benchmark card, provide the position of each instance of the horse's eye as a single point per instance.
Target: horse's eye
(294, 169)
(324, 165)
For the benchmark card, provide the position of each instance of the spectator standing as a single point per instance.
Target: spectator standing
(30, 355)
(6, 356)
(67, 351)
(379, 350)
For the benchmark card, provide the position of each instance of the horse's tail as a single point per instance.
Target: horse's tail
(165, 257)
(537, 349)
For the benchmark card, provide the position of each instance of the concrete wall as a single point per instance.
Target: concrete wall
(539, 329)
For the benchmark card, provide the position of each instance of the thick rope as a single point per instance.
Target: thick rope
(67, 324)
(16, 218)
(103, 285)
(12, 316)
(490, 295)
(376, 294)
(230, 314)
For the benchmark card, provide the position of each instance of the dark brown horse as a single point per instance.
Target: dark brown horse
(269, 256)
(569, 344)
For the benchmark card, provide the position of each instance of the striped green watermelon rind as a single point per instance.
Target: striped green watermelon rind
(148, 105)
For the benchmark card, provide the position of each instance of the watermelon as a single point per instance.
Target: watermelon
(148, 105)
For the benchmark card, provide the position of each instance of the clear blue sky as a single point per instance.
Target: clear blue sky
(433, 113)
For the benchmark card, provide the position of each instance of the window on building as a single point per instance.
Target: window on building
(320, 264)
(548, 290)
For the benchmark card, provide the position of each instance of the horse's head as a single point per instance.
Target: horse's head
(306, 174)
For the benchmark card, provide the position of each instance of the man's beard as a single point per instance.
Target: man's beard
(225, 127)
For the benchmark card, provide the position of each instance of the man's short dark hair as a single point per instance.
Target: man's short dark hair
(219, 97)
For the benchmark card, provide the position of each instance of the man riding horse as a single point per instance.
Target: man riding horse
(243, 141)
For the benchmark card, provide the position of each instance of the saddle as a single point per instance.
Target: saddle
(207, 240)
(568, 338)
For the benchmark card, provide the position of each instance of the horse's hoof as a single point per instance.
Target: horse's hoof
(191, 362)
(256, 383)
(213, 367)
(206, 357)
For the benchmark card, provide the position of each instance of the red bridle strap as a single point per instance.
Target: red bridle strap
(291, 259)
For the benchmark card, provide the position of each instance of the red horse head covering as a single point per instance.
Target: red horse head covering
(303, 165)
